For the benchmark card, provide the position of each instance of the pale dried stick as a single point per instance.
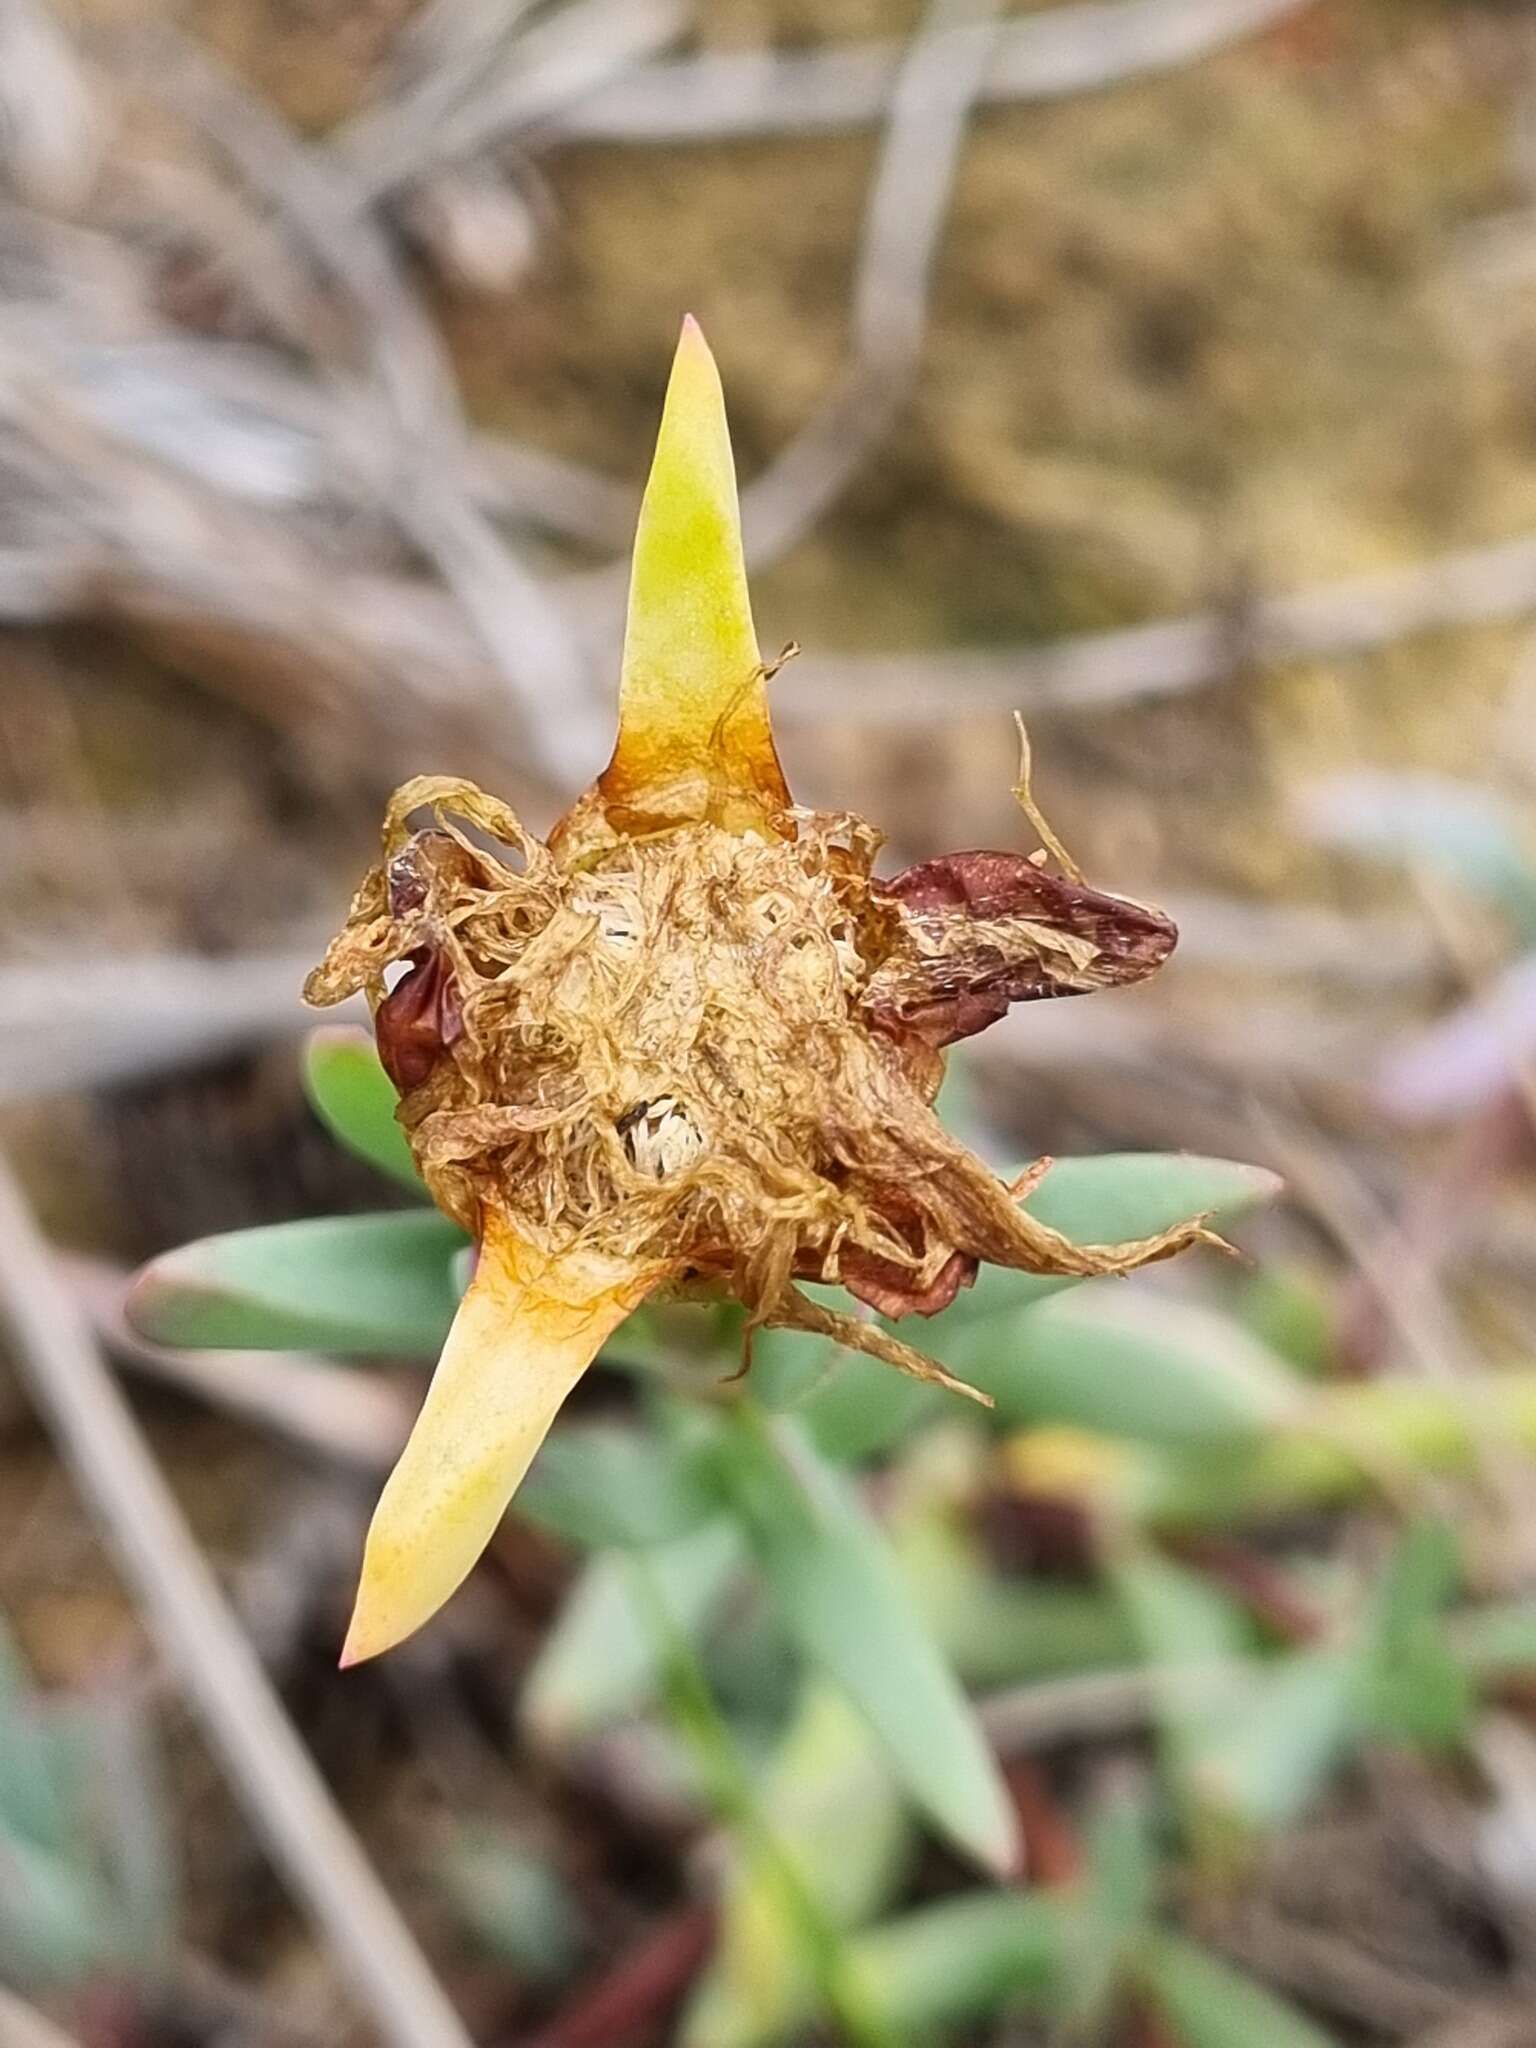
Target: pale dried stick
(268, 1767)
(908, 204)
(1143, 664)
(539, 659)
(461, 109)
(1065, 50)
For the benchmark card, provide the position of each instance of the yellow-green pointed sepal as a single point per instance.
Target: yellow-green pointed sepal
(694, 735)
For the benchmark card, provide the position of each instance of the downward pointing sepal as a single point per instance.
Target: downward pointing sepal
(526, 1330)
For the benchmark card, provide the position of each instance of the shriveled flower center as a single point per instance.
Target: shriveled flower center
(651, 1051)
(711, 1054)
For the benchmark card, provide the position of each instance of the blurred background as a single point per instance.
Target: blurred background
(1162, 369)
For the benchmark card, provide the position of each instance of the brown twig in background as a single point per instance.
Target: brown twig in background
(933, 93)
(639, 1991)
(1067, 49)
(1142, 664)
(270, 1770)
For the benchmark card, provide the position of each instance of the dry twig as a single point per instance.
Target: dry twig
(538, 658)
(1099, 671)
(1067, 49)
(490, 81)
(935, 89)
(268, 1766)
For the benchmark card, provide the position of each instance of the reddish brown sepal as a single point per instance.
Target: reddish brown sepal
(418, 1020)
(976, 932)
(891, 1289)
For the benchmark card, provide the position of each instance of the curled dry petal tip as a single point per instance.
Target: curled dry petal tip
(527, 1329)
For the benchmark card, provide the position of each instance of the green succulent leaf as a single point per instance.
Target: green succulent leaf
(841, 1597)
(604, 1486)
(966, 1958)
(359, 1285)
(1130, 1365)
(1208, 2004)
(602, 1662)
(1116, 1906)
(837, 1815)
(1418, 1689)
(1278, 1740)
(514, 1904)
(355, 1099)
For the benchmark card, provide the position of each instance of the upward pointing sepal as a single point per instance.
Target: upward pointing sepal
(695, 741)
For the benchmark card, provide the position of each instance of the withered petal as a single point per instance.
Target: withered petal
(975, 932)
(889, 1286)
(889, 1290)
(419, 1020)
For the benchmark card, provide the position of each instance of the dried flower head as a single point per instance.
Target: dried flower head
(691, 1043)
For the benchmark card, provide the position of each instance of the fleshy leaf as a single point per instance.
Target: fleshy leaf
(1162, 1372)
(1208, 2004)
(840, 1594)
(838, 1817)
(527, 1329)
(353, 1284)
(694, 734)
(607, 1486)
(601, 1661)
(355, 1099)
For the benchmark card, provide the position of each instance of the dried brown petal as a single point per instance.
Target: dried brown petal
(796, 1311)
(419, 1020)
(975, 932)
(892, 1287)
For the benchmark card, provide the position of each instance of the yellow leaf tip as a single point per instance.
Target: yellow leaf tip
(365, 1639)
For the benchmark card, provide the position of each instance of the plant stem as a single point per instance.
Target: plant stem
(705, 1728)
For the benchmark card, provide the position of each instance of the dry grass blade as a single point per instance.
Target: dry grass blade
(52, 124)
(1100, 671)
(268, 1766)
(935, 89)
(81, 1023)
(1066, 49)
(495, 84)
(540, 661)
